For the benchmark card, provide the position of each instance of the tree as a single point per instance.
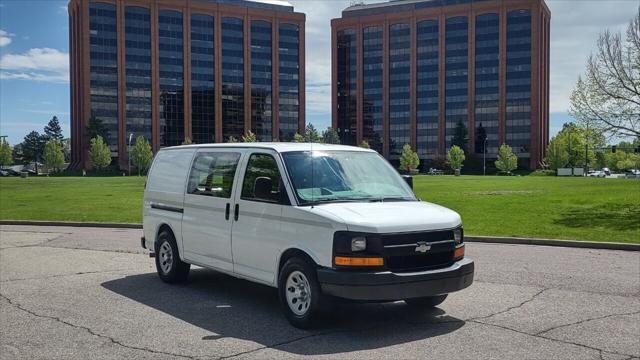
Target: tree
(66, 149)
(53, 130)
(409, 159)
(608, 97)
(460, 136)
(99, 153)
(556, 154)
(481, 136)
(97, 128)
(6, 153)
(17, 154)
(365, 144)
(330, 136)
(298, 138)
(507, 161)
(232, 139)
(53, 156)
(141, 154)
(455, 158)
(249, 137)
(32, 147)
(187, 141)
(311, 134)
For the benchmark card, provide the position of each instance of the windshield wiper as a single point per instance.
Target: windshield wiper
(333, 201)
(390, 199)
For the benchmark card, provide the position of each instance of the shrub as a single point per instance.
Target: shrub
(455, 157)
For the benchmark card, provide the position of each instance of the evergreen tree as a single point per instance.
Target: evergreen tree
(460, 136)
(481, 136)
(141, 154)
(53, 156)
(6, 153)
(32, 148)
(409, 159)
(311, 134)
(53, 130)
(97, 128)
(99, 153)
(330, 136)
(507, 161)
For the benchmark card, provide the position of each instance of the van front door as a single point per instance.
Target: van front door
(207, 218)
(257, 232)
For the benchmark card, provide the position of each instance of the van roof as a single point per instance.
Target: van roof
(277, 146)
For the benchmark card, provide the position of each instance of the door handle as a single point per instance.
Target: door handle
(236, 212)
(226, 211)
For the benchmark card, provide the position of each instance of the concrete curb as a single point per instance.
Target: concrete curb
(479, 239)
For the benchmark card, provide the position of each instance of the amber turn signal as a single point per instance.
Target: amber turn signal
(359, 261)
(458, 252)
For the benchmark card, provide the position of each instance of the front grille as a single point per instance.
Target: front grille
(420, 262)
(414, 237)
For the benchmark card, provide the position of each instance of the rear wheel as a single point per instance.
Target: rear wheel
(299, 292)
(168, 264)
(428, 301)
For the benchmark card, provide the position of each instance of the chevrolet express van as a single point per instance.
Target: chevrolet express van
(315, 221)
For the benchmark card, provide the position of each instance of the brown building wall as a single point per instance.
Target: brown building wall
(80, 67)
(540, 17)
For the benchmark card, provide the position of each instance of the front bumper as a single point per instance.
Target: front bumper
(390, 286)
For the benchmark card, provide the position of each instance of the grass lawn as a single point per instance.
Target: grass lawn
(544, 207)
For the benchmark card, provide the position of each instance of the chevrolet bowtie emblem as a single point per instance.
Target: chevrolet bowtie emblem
(423, 247)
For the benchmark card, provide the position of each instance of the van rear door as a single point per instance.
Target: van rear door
(208, 213)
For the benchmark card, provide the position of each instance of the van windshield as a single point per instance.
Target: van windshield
(344, 176)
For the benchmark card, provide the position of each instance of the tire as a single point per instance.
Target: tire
(168, 264)
(302, 304)
(428, 302)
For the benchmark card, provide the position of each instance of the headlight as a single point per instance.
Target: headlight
(359, 243)
(457, 235)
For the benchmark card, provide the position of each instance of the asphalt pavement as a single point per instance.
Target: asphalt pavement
(80, 293)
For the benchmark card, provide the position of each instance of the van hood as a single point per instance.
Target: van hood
(390, 217)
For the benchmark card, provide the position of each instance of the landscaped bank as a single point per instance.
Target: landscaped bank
(543, 207)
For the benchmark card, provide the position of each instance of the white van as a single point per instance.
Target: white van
(315, 221)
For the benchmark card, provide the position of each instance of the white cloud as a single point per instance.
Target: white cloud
(5, 38)
(38, 64)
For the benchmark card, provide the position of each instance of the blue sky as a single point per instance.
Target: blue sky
(34, 57)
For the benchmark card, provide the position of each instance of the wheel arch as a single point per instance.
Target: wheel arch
(291, 253)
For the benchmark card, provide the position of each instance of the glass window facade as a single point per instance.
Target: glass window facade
(487, 90)
(399, 92)
(347, 86)
(202, 79)
(171, 78)
(261, 70)
(427, 87)
(232, 78)
(373, 63)
(518, 87)
(104, 69)
(456, 74)
(138, 71)
(288, 83)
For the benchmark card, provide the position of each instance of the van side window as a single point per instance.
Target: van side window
(262, 180)
(212, 174)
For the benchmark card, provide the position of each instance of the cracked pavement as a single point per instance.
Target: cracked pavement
(77, 293)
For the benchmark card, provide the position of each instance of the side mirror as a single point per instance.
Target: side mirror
(262, 188)
(409, 180)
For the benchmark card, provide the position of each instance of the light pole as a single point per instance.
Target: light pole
(129, 154)
(484, 157)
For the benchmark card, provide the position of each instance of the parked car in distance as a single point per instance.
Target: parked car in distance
(633, 173)
(315, 221)
(596, 173)
(606, 171)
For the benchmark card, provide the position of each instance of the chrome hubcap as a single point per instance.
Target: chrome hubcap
(298, 293)
(165, 257)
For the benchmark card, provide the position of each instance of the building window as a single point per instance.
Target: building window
(372, 71)
(399, 94)
(137, 38)
(202, 79)
(347, 81)
(427, 88)
(103, 59)
(171, 78)
(232, 78)
(261, 80)
(456, 75)
(518, 87)
(487, 75)
(288, 83)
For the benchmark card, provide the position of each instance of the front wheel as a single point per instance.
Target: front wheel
(168, 264)
(428, 301)
(299, 292)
